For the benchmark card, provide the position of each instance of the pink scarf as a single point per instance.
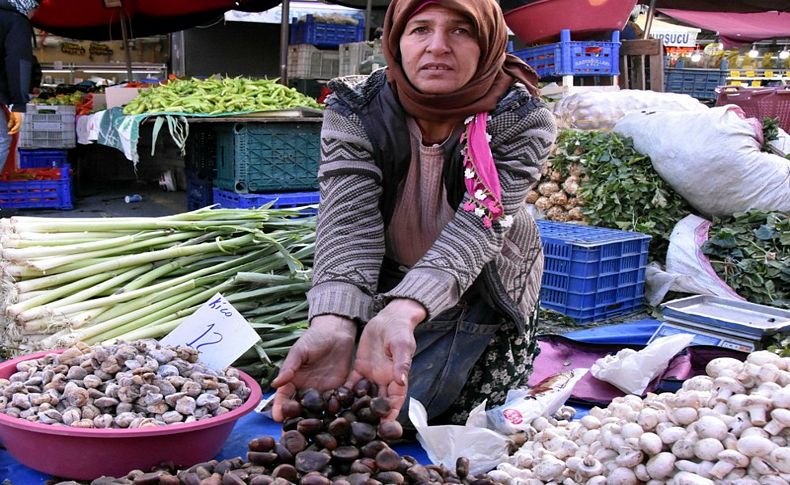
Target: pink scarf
(480, 175)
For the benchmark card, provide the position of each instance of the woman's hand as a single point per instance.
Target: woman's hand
(386, 349)
(14, 122)
(320, 359)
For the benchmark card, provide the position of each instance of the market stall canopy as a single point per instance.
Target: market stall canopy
(101, 19)
(736, 28)
(742, 6)
(672, 35)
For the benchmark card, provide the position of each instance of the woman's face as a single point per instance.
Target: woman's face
(439, 50)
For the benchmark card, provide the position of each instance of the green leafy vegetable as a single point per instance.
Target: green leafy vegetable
(751, 253)
(620, 188)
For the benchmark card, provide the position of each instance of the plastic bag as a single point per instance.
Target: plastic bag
(600, 110)
(543, 399)
(445, 444)
(631, 371)
(712, 158)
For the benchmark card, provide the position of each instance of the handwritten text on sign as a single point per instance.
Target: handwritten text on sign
(217, 330)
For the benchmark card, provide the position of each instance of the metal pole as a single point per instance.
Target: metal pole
(651, 12)
(284, 36)
(126, 45)
(368, 16)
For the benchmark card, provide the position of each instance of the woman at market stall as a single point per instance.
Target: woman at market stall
(425, 250)
(16, 68)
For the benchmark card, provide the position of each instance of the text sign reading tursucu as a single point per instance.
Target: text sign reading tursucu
(217, 330)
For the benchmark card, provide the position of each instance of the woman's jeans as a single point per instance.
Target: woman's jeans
(5, 139)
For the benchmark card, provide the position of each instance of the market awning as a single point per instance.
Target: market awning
(94, 20)
(736, 28)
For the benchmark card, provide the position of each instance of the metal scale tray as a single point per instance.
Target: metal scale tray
(735, 317)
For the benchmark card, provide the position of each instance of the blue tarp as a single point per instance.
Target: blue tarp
(254, 425)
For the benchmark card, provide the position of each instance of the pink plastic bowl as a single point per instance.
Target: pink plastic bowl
(86, 454)
(542, 21)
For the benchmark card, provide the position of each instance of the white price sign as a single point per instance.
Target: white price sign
(217, 330)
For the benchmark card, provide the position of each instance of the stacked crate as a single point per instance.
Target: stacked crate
(200, 164)
(361, 58)
(41, 177)
(275, 162)
(313, 53)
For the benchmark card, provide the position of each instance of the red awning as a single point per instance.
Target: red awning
(736, 28)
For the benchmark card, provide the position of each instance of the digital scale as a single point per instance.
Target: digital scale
(733, 324)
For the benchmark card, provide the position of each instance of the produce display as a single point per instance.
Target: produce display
(730, 426)
(214, 96)
(751, 253)
(129, 385)
(600, 179)
(74, 98)
(100, 280)
(334, 437)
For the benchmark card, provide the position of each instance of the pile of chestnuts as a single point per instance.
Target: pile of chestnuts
(331, 437)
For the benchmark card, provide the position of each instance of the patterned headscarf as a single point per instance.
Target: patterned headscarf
(496, 73)
(24, 6)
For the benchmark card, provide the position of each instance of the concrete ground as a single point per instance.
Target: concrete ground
(108, 201)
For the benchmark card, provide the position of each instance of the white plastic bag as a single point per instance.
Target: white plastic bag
(712, 158)
(631, 371)
(600, 110)
(691, 268)
(446, 443)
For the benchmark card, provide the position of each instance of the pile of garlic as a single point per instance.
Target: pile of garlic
(731, 426)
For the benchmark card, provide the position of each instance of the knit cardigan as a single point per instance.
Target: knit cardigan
(350, 245)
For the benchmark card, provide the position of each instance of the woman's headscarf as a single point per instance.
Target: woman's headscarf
(496, 71)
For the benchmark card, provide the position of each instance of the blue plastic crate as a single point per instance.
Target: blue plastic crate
(42, 158)
(574, 58)
(698, 83)
(200, 191)
(592, 273)
(322, 34)
(38, 194)
(231, 200)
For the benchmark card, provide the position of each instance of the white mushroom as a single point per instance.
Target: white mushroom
(684, 416)
(727, 461)
(650, 443)
(755, 446)
(660, 466)
(780, 459)
(762, 357)
(708, 448)
(710, 427)
(780, 419)
(723, 366)
(758, 406)
(702, 468)
(622, 476)
(687, 478)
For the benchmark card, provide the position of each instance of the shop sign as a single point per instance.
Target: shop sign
(676, 39)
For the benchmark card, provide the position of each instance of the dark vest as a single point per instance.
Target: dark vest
(384, 122)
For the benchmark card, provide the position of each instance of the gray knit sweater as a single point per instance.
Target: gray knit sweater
(350, 234)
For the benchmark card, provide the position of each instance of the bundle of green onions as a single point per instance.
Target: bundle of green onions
(102, 280)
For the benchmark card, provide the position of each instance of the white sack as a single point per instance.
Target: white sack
(690, 267)
(600, 110)
(712, 158)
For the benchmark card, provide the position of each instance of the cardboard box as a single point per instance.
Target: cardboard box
(119, 95)
(99, 101)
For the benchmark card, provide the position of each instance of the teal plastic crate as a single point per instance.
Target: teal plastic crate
(592, 273)
(260, 157)
(38, 194)
(697, 83)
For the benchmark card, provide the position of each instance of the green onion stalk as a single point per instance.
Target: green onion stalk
(66, 280)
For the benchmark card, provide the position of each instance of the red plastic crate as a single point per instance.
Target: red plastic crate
(759, 102)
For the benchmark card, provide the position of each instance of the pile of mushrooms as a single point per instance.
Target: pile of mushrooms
(731, 426)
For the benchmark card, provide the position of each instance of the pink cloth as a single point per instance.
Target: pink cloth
(736, 28)
(422, 6)
(481, 161)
